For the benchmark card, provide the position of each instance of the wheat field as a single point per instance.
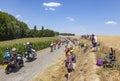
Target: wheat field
(110, 41)
(110, 74)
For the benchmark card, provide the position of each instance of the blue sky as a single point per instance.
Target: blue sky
(101, 17)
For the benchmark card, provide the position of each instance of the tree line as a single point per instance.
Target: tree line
(12, 28)
(67, 34)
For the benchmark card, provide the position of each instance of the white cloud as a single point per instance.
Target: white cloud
(18, 16)
(111, 22)
(70, 18)
(0, 9)
(52, 9)
(51, 4)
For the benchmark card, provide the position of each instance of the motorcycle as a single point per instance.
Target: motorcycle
(30, 55)
(34, 52)
(9, 65)
(20, 62)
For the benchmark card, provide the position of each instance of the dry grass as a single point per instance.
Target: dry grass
(110, 41)
(110, 74)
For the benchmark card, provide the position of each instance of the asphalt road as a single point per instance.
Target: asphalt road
(44, 59)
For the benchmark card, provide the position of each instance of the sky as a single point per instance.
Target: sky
(101, 17)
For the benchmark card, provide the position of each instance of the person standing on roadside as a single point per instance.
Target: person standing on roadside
(66, 51)
(73, 56)
(94, 42)
(69, 66)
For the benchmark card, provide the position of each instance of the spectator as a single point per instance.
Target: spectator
(73, 56)
(69, 66)
(94, 42)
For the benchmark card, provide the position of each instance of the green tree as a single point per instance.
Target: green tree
(11, 28)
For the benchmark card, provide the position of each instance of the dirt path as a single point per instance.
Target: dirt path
(86, 69)
(44, 59)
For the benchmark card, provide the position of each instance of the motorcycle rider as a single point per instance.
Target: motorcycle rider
(7, 54)
(30, 52)
(16, 57)
(14, 53)
(28, 47)
(11, 62)
(13, 57)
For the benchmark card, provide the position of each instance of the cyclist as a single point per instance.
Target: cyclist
(51, 46)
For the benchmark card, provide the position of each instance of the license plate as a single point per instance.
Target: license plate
(5, 66)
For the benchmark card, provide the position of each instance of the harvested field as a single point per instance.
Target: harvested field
(110, 74)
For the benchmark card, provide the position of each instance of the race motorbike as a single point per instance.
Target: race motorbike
(30, 55)
(20, 62)
(9, 65)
